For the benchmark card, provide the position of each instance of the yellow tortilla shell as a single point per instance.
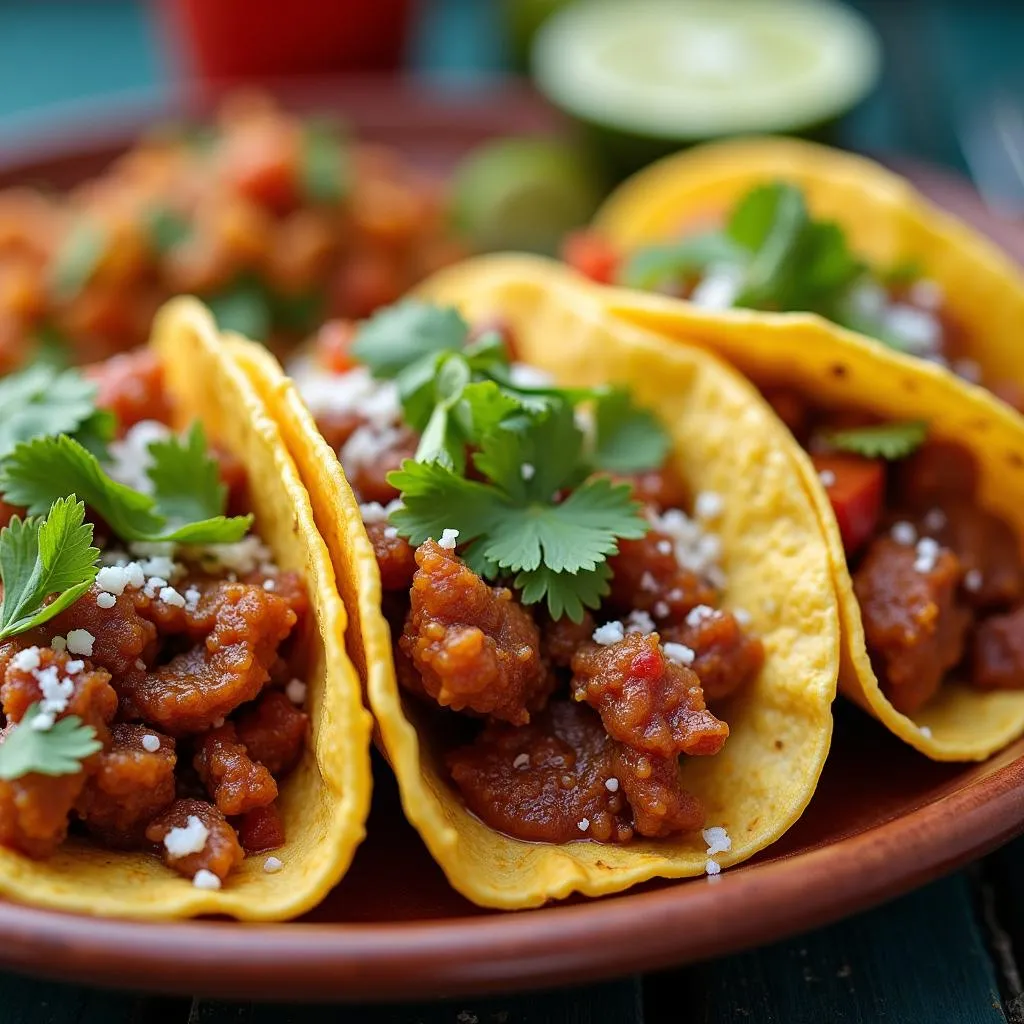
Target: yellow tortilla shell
(885, 219)
(774, 557)
(835, 367)
(325, 800)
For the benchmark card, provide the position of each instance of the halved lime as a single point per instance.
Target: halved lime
(684, 70)
(523, 193)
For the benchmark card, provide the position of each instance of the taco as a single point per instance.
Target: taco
(184, 732)
(596, 624)
(788, 226)
(919, 483)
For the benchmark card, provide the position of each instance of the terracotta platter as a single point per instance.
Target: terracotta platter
(882, 821)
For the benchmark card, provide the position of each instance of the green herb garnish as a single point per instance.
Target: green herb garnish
(77, 259)
(888, 441)
(40, 558)
(539, 514)
(59, 750)
(243, 306)
(40, 471)
(324, 167)
(166, 228)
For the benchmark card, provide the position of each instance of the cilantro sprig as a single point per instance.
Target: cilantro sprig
(39, 472)
(890, 441)
(535, 512)
(40, 558)
(59, 750)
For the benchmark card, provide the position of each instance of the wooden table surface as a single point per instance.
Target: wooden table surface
(947, 953)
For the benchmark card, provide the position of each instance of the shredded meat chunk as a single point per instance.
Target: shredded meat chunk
(369, 479)
(562, 638)
(129, 787)
(913, 626)
(647, 577)
(653, 786)
(545, 781)
(273, 732)
(221, 852)
(236, 782)
(261, 829)
(396, 558)
(202, 685)
(727, 658)
(476, 648)
(998, 662)
(34, 809)
(645, 700)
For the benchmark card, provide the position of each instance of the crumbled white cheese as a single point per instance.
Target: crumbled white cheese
(712, 867)
(648, 582)
(661, 609)
(609, 633)
(926, 554)
(527, 471)
(80, 641)
(140, 664)
(718, 840)
(742, 616)
(204, 879)
(448, 540)
(170, 596)
(695, 549)
(718, 289)
(525, 376)
(639, 622)
(827, 478)
(925, 731)
(968, 369)
(919, 331)
(192, 596)
(390, 532)
(695, 616)
(295, 691)
(59, 644)
(244, 556)
(26, 660)
(903, 533)
(926, 293)
(105, 601)
(583, 824)
(272, 865)
(113, 579)
(185, 839)
(72, 668)
(679, 653)
(664, 547)
(934, 520)
(153, 586)
(973, 580)
(130, 458)
(43, 722)
(375, 512)
(521, 761)
(708, 505)
(366, 446)
(150, 742)
(270, 585)
(612, 785)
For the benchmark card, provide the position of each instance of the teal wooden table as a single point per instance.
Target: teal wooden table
(951, 952)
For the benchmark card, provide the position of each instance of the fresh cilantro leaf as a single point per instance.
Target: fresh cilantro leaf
(59, 750)
(51, 347)
(39, 472)
(298, 313)
(656, 266)
(484, 408)
(166, 228)
(96, 433)
(186, 479)
(627, 439)
(324, 166)
(901, 273)
(243, 306)
(567, 594)
(400, 335)
(41, 400)
(889, 441)
(40, 558)
(769, 221)
(77, 259)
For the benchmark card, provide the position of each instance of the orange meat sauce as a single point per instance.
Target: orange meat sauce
(175, 671)
(561, 728)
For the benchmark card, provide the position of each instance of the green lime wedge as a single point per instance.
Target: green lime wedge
(523, 193)
(685, 70)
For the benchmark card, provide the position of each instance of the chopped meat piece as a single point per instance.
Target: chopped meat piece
(913, 626)
(475, 646)
(196, 688)
(273, 732)
(726, 657)
(998, 662)
(369, 479)
(396, 558)
(34, 809)
(131, 385)
(562, 638)
(647, 577)
(130, 785)
(236, 782)
(338, 427)
(937, 472)
(220, 853)
(653, 786)
(645, 700)
(261, 829)
(545, 781)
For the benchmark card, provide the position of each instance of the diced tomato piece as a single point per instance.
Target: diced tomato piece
(593, 256)
(261, 829)
(334, 345)
(263, 167)
(131, 385)
(855, 487)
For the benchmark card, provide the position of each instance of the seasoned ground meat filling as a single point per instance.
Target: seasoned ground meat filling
(646, 701)
(220, 851)
(476, 648)
(396, 558)
(273, 731)
(998, 659)
(653, 787)
(235, 782)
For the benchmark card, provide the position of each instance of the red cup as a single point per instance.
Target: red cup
(253, 39)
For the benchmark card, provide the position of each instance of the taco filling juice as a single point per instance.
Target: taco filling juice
(145, 677)
(546, 577)
(939, 580)
(768, 253)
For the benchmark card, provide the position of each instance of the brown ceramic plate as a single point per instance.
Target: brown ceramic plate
(883, 819)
